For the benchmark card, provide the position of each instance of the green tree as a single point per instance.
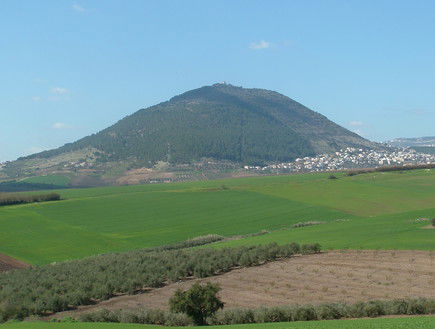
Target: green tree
(199, 302)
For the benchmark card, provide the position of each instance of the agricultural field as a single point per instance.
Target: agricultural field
(57, 180)
(368, 211)
(424, 322)
(337, 276)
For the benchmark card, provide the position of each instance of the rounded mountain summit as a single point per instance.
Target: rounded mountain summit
(224, 122)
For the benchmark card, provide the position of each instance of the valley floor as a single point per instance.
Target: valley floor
(336, 276)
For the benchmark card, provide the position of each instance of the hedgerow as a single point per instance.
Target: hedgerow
(271, 314)
(390, 168)
(7, 199)
(58, 287)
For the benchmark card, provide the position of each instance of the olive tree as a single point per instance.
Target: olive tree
(199, 302)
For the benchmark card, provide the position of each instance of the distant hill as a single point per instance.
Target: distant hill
(420, 144)
(410, 142)
(221, 122)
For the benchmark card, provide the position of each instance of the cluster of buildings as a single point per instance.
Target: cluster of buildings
(350, 158)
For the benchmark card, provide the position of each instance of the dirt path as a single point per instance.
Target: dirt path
(8, 263)
(335, 276)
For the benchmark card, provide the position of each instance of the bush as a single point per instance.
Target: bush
(433, 221)
(199, 302)
(314, 248)
(332, 177)
(309, 223)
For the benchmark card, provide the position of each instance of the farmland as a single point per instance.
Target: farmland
(57, 180)
(368, 211)
(425, 322)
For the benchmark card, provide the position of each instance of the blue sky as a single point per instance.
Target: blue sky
(72, 68)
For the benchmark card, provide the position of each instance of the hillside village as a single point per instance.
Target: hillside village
(349, 158)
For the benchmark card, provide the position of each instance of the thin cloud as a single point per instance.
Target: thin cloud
(356, 123)
(59, 91)
(35, 149)
(36, 98)
(78, 8)
(262, 44)
(358, 132)
(59, 125)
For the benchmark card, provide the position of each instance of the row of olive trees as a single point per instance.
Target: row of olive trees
(7, 199)
(58, 287)
(390, 168)
(183, 315)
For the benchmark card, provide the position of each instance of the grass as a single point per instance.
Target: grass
(425, 322)
(57, 180)
(379, 211)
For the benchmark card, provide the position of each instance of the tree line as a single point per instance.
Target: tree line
(7, 199)
(289, 313)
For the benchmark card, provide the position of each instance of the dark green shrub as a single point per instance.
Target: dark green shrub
(418, 306)
(178, 320)
(233, 316)
(199, 302)
(331, 312)
(374, 309)
(311, 248)
(305, 313)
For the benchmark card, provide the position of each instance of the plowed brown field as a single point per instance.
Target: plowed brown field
(8, 263)
(336, 276)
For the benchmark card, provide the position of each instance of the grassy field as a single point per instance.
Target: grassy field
(390, 323)
(58, 180)
(376, 210)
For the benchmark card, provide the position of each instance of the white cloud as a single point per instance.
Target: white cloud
(59, 125)
(59, 91)
(36, 98)
(356, 123)
(259, 45)
(358, 132)
(79, 8)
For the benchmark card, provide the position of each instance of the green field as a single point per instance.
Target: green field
(58, 180)
(425, 322)
(376, 210)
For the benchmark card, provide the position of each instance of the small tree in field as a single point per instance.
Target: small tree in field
(199, 302)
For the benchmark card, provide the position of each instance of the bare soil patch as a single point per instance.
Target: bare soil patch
(336, 276)
(137, 176)
(8, 263)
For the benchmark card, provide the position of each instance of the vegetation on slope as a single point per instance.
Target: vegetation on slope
(55, 180)
(221, 122)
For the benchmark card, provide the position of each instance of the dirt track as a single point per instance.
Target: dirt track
(348, 276)
(8, 263)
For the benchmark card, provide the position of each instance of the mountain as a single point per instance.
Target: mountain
(420, 144)
(222, 122)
